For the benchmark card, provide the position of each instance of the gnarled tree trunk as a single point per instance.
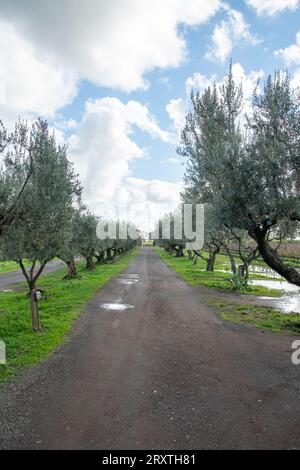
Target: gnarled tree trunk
(72, 271)
(90, 265)
(272, 259)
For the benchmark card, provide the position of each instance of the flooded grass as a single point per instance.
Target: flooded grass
(261, 317)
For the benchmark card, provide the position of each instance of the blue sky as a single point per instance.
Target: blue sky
(114, 82)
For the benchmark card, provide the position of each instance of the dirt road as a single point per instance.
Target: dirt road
(163, 373)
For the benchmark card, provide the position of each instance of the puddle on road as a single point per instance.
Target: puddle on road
(115, 306)
(129, 279)
(124, 280)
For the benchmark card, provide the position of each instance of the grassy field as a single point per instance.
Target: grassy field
(197, 276)
(63, 301)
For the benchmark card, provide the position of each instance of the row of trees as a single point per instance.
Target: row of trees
(246, 169)
(235, 243)
(41, 213)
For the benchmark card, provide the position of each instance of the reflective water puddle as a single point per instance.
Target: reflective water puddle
(282, 285)
(289, 301)
(286, 304)
(115, 306)
(123, 280)
(7, 290)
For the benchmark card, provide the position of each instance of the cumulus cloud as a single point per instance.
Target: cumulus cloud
(291, 54)
(199, 82)
(227, 34)
(272, 7)
(144, 202)
(295, 81)
(102, 147)
(27, 84)
(248, 81)
(176, 109)
(111, 43)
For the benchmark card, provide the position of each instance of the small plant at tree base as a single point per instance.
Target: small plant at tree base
(238, 284)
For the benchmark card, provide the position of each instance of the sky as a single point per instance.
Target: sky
(113, 78)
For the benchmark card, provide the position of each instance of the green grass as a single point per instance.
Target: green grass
(261, 317)
(197, 276)
(8, 266)
(63, 301)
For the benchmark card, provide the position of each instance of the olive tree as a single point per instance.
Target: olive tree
(88, 241)
(17, 155)
(40, 229)
(250, 171)
(71, 248)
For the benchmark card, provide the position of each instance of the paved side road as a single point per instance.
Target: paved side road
(10, 279)
(164, 373)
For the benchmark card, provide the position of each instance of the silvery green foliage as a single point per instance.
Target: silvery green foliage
(40, 229)
(16, 167)
(250, 174)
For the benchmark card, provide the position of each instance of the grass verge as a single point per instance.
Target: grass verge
(197, 276)
(261, 317)
(63, 301)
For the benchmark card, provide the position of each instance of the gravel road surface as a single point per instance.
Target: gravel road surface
(148, 365)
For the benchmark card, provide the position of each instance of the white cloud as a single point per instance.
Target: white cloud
(138, 114)
(111, 43)
(199, 82)
(295, 81)
(147, 201)
(27, 84)
(176, 109)
(102, 148)
(291, 54)
(248, 81)
(227, 34)
(272, 7)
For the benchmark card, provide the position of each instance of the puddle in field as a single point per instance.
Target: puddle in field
(289, 301)
(264, 271)
(282, 285)
(7, 290)
(115, 306)
(256, 270)
(286, 304)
